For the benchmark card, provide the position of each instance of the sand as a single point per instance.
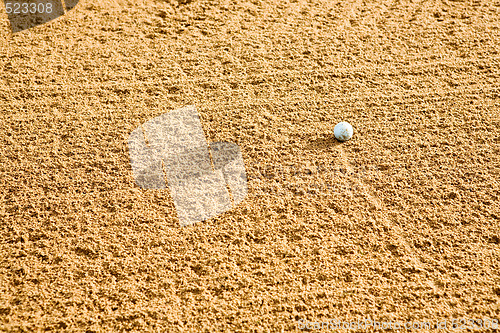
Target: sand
(401, 223)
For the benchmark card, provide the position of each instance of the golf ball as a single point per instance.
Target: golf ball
(343, 131)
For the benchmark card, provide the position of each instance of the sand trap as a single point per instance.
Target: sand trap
(399, 223)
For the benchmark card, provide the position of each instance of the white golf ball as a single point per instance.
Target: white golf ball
(343, 131)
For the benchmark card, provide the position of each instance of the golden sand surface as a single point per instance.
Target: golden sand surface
(401, 223)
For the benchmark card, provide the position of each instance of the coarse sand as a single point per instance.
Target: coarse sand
(401, 223)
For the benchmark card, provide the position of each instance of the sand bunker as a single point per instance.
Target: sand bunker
(400, 223)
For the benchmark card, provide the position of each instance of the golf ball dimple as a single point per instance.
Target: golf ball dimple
(343, 131)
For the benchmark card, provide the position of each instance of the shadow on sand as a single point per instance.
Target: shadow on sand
(324, 142)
